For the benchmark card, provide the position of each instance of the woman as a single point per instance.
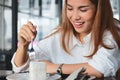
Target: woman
(87, 37)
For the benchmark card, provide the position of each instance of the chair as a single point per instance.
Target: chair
(118, 73)
(117, 22)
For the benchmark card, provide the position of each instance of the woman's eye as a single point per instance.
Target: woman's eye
(83, 10)
(69, 9)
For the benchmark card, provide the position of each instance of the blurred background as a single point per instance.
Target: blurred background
(43, 13)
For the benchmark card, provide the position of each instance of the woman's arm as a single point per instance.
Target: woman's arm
(69, 68)
(21, 55)
(26, 34)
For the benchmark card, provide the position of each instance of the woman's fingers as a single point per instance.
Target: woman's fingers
(32, 27)
(28, 32)
(24, 34)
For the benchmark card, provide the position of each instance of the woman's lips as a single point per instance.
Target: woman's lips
(78, 24)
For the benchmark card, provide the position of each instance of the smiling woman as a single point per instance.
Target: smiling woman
(86, 37)
(81, 14)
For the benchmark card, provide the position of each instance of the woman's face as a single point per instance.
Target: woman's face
(81, 14)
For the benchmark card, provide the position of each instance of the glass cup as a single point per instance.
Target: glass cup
(37, 71)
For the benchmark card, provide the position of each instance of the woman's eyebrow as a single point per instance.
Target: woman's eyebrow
(69, 5)
(83, 6)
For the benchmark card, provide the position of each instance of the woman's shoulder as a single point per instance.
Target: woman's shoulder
(51, 37)
(107, 33)
(49, 41)
(108, 39)
(52, 34)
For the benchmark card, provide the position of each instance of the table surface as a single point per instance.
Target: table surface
(105, 78)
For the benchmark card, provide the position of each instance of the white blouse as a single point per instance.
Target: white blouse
(107, 61)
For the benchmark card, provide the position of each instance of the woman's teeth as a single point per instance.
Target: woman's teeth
(80, 23)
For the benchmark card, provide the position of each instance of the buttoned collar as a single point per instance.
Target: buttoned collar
(75, 42)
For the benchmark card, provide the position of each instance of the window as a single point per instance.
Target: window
(43, 13)
(8, 31)
(5, 25)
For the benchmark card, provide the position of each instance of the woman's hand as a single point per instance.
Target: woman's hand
(51, 67)
(27, 33)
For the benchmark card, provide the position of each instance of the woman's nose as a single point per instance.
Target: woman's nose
(76, 15)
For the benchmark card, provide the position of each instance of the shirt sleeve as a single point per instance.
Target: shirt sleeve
(41, 54)
(42, 49)
(19, 69)
(107, 61)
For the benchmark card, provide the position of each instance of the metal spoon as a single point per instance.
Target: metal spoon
(31, 49)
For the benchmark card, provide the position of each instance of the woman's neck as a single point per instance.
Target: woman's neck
(82, 36)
